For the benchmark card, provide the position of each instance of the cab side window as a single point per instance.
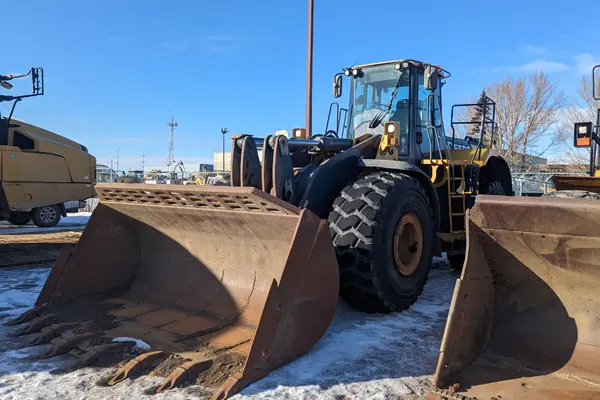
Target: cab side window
(22, 141)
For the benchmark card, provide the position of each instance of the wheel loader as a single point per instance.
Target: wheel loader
(524, 322)
(42, 175)
(228, 283)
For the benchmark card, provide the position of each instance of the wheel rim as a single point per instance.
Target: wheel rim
(48, 215)
(408, 244)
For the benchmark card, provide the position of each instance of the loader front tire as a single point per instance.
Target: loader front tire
(19, 219)
(383, 232)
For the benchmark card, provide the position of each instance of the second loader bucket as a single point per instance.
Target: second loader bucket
(225, 284)
(524, 321)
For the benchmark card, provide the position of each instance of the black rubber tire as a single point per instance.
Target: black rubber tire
(573, 194)
(362, 225)
(496, 188)
(39, 216)
(19, 219)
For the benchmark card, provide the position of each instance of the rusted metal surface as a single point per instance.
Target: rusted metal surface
(199, 273)
(587, 183)
(524, 320)
(137, 366)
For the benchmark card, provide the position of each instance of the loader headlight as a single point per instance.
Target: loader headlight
(391, 128)
(347, 72)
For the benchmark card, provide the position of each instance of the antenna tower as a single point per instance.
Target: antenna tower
(172, 125)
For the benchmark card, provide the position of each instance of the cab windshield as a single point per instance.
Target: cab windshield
(372, 95)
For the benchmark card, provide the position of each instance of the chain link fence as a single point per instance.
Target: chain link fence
(535, 183)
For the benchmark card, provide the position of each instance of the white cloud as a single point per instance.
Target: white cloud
(179, 46)
(541, 66)
(534, 51)
(531, 66)
(585, 62)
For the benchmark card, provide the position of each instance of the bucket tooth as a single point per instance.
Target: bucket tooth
(50, 332)
(36, 325)
(91, 354)
(184, 373)
(137, 366)
(62, 345)
(27, 316)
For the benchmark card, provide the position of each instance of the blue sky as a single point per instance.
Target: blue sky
(115, 70)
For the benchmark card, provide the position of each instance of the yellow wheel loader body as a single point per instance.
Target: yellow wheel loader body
(586, 183)
(524, 322)
(225, 284)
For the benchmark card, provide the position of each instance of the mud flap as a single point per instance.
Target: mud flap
(226, 284)
(524, 320)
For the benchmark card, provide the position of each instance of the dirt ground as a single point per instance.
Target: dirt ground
(34, 248)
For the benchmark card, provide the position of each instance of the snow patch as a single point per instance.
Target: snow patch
(361, 356)
(71, 221)
(140, 345)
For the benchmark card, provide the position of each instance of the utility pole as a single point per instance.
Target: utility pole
(143, 162)
(111, 170)
(224, 132)
(309, 69)
(172, 125)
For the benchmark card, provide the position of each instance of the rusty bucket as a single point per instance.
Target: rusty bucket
(524, 322)
(225, 284)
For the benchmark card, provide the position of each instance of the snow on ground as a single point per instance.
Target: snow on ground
(70, 222)
(361, 356)
(140, 345)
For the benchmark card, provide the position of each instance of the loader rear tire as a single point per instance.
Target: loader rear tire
(46, 216)
(383, 232)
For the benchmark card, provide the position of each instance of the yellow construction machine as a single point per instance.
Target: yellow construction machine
(524, 322)
(43, 175)
(585, 135)
(228, 283)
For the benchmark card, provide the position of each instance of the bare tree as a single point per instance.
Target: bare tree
(528, 110)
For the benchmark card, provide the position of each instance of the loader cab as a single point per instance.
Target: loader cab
(400, 100)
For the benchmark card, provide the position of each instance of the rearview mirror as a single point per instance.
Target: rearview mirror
(431, 77)
(337, 85)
